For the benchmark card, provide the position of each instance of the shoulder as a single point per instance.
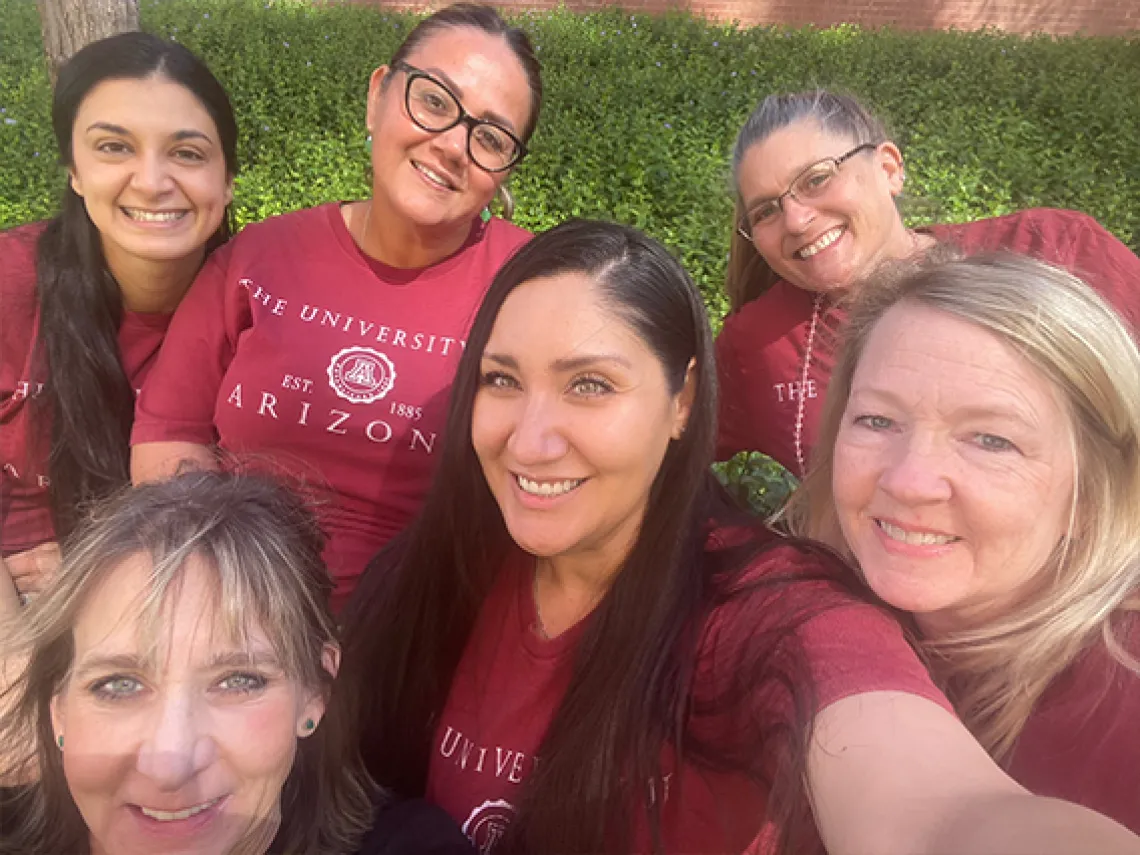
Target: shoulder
(18, 248)
(304, 226)
(1046, 233)
(501, 238)
(767, 318)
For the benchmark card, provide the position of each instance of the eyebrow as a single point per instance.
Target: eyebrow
(134, 662)
(486, 115)
(185, 134)
(568, 363)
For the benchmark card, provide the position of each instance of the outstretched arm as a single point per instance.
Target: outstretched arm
(896, 774)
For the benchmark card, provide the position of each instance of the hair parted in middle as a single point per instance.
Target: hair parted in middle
(263, 545)
(748, 275)
(1081, 347)
(414, 610)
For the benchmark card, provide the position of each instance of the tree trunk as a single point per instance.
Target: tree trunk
(68, 25)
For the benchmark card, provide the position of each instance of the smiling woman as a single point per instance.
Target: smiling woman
(980, 462)
(176, 683)
(148, 138)
(327, 338)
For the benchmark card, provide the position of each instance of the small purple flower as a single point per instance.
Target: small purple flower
(716, 44)
(658, 64)
(205, 14)
(669, 126)
(285, 43)
(265, 127)
(9, 121)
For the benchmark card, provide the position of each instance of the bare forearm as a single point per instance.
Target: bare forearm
(1022, 824)
(9, 597)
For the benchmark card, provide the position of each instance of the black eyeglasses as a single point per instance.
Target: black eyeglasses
(812, 183)
(435, 108)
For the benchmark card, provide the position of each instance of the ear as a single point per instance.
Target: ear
(890, 161)
(374, 86)
(56, 717)
(683, 403)
(73, 180)
(313, 709)
(229, 189)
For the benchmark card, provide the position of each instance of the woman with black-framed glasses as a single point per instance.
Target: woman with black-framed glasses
(326, 339)
(816, 177)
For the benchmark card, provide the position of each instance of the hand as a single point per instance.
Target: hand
(33, 570)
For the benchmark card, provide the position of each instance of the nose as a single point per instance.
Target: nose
(918, 471)
(797, 215)
(537, 436)
(176, 746)
(452, 143)
(152, 175)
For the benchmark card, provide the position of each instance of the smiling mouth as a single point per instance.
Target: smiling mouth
(141, 215)
(548, 489)
(433, 176)
(915, 538)
(175, 815)
(820, 244)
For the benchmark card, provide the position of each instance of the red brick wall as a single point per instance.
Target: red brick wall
(1059, 17)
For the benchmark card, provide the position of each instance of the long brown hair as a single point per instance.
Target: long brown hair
(631, 693)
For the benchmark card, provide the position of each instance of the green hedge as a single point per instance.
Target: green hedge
(640, 115)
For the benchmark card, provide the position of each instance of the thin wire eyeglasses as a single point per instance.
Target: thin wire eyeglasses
(812, 183)
(433, 107)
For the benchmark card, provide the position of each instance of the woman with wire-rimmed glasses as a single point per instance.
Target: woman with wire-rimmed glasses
(816, 177)
(326, 340)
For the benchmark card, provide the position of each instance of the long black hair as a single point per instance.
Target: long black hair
(86, 397)
(631, 691)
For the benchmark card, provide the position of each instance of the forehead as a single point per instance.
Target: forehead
(190, 623)
(482, 68)
(770, 164)
(927, 356)
(150, 105)
(557, 317)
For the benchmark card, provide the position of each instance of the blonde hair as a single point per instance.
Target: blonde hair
(263, 547)
(996, 673)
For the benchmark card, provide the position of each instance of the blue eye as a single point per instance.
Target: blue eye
(242, 682)
(874, 422)
(993, 442)
(116, 688)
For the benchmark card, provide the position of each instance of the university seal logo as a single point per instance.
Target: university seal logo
(361, 375)
(488, 824)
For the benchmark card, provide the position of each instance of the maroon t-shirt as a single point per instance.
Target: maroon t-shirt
(1082, 742)
(760, 351)
(25, 509)
(510, 681)
(295, 347)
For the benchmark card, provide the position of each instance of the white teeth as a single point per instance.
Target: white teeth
(826, 240)
(154, 216)
(913, 538)
(171, 816)
(550, 488)
(434, 176)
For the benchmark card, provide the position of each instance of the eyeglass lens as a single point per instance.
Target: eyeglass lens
(435, 109)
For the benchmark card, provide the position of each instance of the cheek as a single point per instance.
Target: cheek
(259, 741)
(492, 422)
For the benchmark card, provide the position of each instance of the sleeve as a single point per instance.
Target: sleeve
(414, 827)
(178, 398)
(732, 421)
(1105, 263)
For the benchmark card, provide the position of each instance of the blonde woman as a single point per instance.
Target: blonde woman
(979, 460)
(174, 696)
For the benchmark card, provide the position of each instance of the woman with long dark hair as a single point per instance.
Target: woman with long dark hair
(327, 338)
(580, 647)
(149, 140)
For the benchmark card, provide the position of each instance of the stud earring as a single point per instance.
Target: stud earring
(368, 143)
(59, 741)
(310, 724)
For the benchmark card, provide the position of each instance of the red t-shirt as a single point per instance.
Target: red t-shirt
(1082, 742)
(510, 681)
(295, 346)
(25, 509)
(760, 351)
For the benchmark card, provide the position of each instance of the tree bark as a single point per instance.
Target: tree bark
(68, 25)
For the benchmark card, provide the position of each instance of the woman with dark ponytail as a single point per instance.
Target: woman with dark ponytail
(148, 137)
